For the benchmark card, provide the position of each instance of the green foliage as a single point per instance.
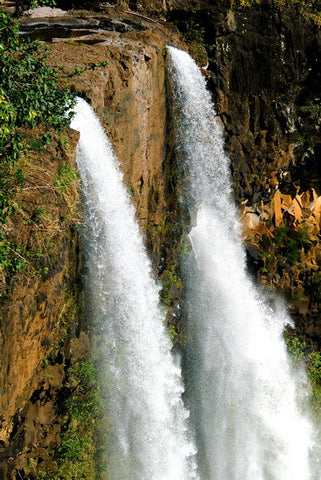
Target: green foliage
(92, 66)
(312, 108)
(66, 177)
(11, 258)
(64, 142)
(194, 32)
(315, 368)
(297, 348)
(244, 3)
(48, 360)
(172, 333)
(43, 3)
(72, 447)
(82, 408)
(270, 261)
(184, 247)
(289, 243)
(308, 4)
(29, 96)
(85, 402)
(301, 353)
(171, 284)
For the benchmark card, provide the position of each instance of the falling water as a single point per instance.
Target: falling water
(148, 436)
(242, 392)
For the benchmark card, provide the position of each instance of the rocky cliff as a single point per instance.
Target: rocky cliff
(264, 72)
(266, 76)
(38, 304)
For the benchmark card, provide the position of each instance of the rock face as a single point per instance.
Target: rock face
(266, 93)
(265, 79)
(264, 71)
(37, 306)
(129, 97)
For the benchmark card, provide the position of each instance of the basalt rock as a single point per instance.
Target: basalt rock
(264, 78)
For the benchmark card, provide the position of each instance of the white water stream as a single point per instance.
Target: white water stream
(243, 394)
(148, 437)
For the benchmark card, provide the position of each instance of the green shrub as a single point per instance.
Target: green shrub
(297, 348)
(29, 97)
(194, 32)
(79, 450)
(289, 243)
(310, 5)
(66, 178)
(29, 91)
(315, 368)
(301, 353)
(310, 9)
(171, 284)
(11, 258)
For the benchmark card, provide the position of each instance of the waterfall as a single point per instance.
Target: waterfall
(148, 435)
(243, 395)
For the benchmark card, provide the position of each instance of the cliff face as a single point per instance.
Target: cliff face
(265, 81)
(37, 304)
(129, 97)
(264, 71)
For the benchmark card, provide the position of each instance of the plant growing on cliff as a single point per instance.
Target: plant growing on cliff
(290, 242)
(66, 182)
(195, 32)
(79, 450)
(29, 90)
(79, 70)
(302, 353)
(30, 96)
(11, 258)
(79, 455)
(171, 284)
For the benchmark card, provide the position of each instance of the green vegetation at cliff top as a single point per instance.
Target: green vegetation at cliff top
(30, 96)
(29, 90)
(310, 7)
(308, 4)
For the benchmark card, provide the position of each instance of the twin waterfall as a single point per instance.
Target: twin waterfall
(244, 422)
